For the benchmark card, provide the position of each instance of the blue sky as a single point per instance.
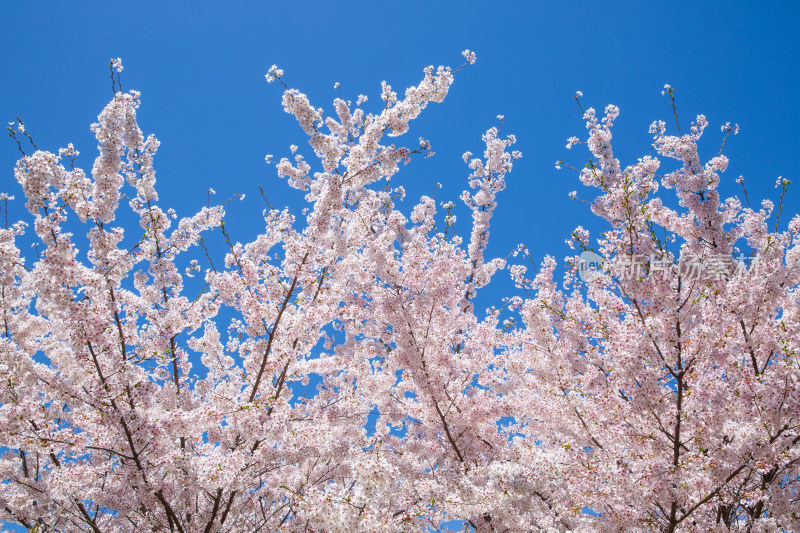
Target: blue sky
(200, 67)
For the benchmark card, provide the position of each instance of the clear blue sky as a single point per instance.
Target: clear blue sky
(200, 67)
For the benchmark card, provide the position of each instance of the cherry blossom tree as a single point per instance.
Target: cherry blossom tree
(666, 395)
(648, 398)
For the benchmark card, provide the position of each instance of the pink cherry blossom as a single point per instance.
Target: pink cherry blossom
(647, 398)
